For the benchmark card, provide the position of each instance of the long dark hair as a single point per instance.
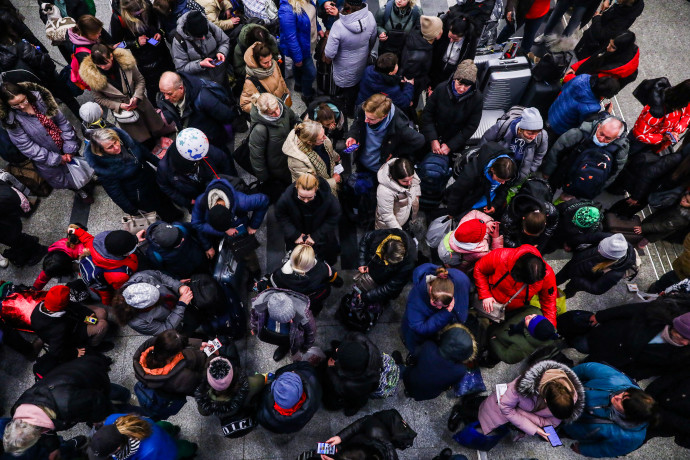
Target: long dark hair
(9, 90)
(166, 346)
(677, 97)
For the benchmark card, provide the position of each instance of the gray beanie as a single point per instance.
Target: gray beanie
(280, 308)
(614, 247)
(466, 70)
(141, 295)
(531, 120)
(90, 112)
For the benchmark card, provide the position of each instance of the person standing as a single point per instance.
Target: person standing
(299, 30)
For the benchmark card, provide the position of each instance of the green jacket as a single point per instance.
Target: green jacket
(238, 64)
(514, 348)
(266, 140)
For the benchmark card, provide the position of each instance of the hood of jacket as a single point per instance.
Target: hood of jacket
(534, 194)
(102, 257)
(78, 40)
(373, 365)
(299, 301)
(91, 74)
(651, 93)
(158, 380)
(226, 187)
(255, 117)
(385, 179)
(230, 402)
(43, 96)
(581, 92)
(354, 22)
(249, 57)
(528, 384)
(291, 149)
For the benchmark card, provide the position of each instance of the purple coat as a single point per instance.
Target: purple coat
(303, 328)
(521, 404)
(34, 142)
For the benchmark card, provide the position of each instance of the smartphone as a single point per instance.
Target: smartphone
(214, 345)
(674, 141)
(152, 41)
(553, 437)
(338, 169)
(122, 44)
(241, 230)
(501, 388)
(351, 148)
(325, 448)
(90, 320)
(216, 62)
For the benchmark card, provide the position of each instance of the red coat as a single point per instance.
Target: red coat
(651, 130)
(620, 72)
(489, 270)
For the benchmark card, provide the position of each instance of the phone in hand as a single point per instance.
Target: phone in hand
(241, 230)
(216, 62)
(90, 320)
(501, 388)
(325, 448)
(122, 44)
(674, 141)
(152, 41)
(338, 169)
(351, 148)
(553, 437)
(214, 345)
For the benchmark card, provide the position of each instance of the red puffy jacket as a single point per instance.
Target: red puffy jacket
(621, 72)
(651, 130)
(492, 267)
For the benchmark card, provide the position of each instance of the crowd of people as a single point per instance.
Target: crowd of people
(387, 150)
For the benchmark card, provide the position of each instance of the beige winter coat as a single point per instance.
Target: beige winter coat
(150, 124)
(395, 203)
(299, 162)
(214, 8)
(275, 84)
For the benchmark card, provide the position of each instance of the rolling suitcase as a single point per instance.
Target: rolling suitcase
(489, 118)
(503, 82)
(541, 95)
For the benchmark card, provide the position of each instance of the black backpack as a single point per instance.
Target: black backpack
(208, 295)
(434, 172)
(356, 315)
(589, 173)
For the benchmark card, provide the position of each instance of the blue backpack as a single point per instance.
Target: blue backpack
(157, 405)
(94, 276)
(434, 172)
(589, 173)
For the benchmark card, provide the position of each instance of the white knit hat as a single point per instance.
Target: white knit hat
(141, 295)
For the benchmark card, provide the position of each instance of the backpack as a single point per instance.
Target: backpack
(208, 295)
(434, 172)
(552, 66)
(463, 158)
(589, 173)
(94, 276)
(223, 96)
(74, 68)
(507, 118)
(356, 315)
(388, 381)
(157, 405)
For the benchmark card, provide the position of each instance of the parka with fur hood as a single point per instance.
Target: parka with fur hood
(272, 82)
(523, 405)
(105, 93)
(395, 204)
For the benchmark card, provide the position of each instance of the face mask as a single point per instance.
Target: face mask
(597, 143)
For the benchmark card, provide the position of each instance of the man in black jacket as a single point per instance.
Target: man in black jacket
(416, 58)
(458, 43)
(389, 256)
(23, 249)
(452, 113)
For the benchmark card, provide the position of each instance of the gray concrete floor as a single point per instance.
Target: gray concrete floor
(660, 32)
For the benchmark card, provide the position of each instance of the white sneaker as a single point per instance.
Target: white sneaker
(545, 38)
(4, 263)
(539, 39)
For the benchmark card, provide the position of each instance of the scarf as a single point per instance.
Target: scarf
(270, 118)
(165, 370)
(261, 73)
(379, 249)
(666, 337)
(131, 448)
(51, 128)
(293, 409)
(316, 161)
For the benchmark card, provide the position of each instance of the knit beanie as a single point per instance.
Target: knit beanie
(90, 112)
(166, 235)
(120, 243)
(106, 441)
(287, 390)
(471, 231)
(220, 218)
(432, 27)
(141, 295)
(541, 328)
(197, 24)
(219, 373)
(456, 344)
(466, 70)
(280, 307)
(352, 356)
(614, 247)
(57, 298)
(682, 325)
(586, 217)
(531, 120)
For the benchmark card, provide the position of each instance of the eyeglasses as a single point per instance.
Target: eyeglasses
(22, 104)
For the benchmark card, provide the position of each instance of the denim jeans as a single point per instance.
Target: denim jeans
(531, 29)
(305, 76)
(558, 12)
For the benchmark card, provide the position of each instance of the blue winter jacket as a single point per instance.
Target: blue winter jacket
(376, 82)
(603, 439)
(159, 446)
(575, 103)
(240, 205)
(421, 319)
(433, 374)
(181, 261)
(295, 32)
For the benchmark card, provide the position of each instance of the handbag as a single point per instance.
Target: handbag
(471, 438)
(133, 224)
(364, 282)
(498, 313)
(242, 245)
(472, 382)
(126, 116)
(81, 172)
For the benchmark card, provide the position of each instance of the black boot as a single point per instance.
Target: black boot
(280, 352)
(455, 418)
(444, 455)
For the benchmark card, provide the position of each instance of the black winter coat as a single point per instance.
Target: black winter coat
(478, 13)
(64, 334)
(441, 71)
(182, 261)
(646, 171)
(277, 423)
(449, 119)
(522, 204)
(671, 394)
(614, 21)
(350, 391)
(23, 56)
(579, 269)
(77, 391)
(384, 431)
(400, 139)
(391, 278)
(622, 337)
(313, 281)
(670, 224)
(417, 54)
(318, 218)
(567, 232)
(472, 183)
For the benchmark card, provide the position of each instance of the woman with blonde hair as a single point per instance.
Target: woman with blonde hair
(271, 123)
(133, 437)
(438, 298)
(263, 76)
(306, 274)
(308, 214)
(310, 151)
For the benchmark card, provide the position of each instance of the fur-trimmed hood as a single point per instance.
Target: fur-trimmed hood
(43, 97)
(92, 75)
(528, 384)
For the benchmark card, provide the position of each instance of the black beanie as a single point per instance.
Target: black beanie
(220, 218)
(197, 24)
(352, 356)
(179, 163)
(120, 243)
(456, 344)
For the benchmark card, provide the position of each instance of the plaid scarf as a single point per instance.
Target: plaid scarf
(316, 161)
(54, 132)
